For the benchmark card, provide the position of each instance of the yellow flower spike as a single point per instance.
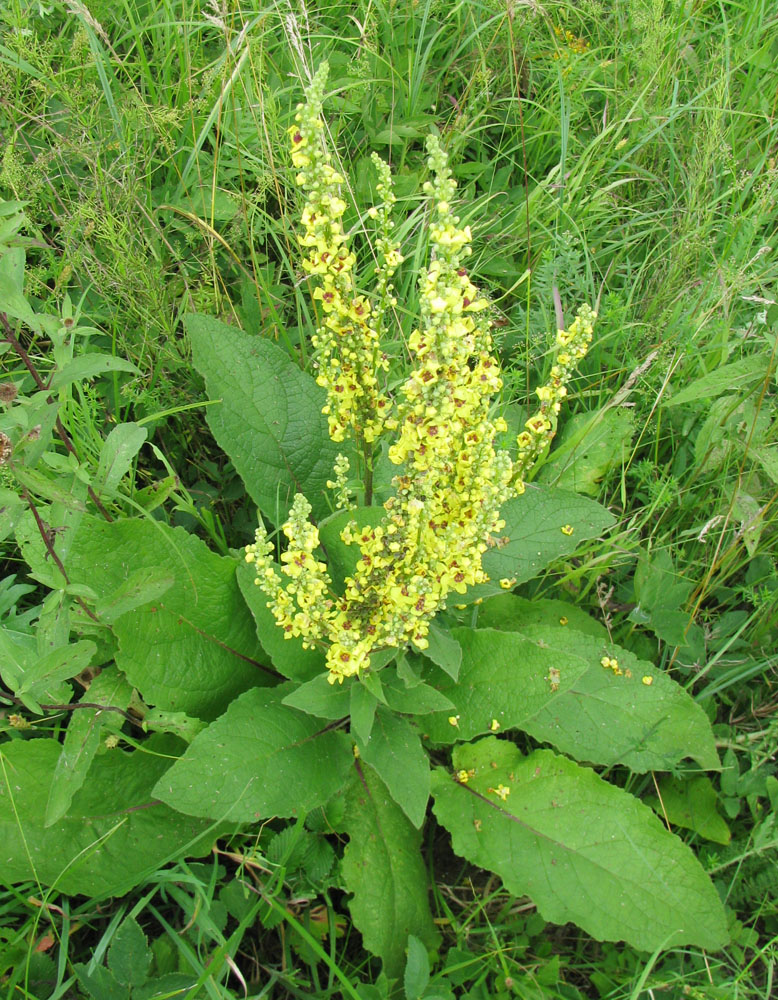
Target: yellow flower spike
(452, 478)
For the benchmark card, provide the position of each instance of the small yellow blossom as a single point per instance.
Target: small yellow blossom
(453, 720)
(567, 529)
(501, 791)
(563, 620)
(508, 583)
(494, 725)
(648, 680)
(463, 776)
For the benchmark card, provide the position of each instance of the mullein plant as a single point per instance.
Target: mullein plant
(452, 479)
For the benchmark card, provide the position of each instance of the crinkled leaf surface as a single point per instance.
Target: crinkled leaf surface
(395, 751)
(383, 868)
(261, 758)
(193, 648)
(269, 418)
(504, 677)
(582, 849)
(609, 719)
(533, 525)
(115, 833)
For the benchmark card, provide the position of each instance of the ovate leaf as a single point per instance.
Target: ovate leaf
(268, 416)
(691, 803)
(638, 717)
(533, 529)
(261, 758)
(117, 455)
(583, 850)
(383, 868)
(724, 378)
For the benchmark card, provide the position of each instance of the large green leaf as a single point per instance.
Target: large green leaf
(115, 833)
(638, 717)
(533, 527)
(193, 648)
(261, 758)
(505, 678)
(582, 849)
(268, 416)
(395, 751)
(383, 868)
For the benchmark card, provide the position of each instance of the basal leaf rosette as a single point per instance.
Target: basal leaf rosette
(452, 480)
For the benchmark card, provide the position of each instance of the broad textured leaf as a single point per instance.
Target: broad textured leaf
(691, 803)
(383, 868)
(421, 699)
(193, 649)
(583, 850)
(362, 708)
(82, 739)
(533, 523)
(261, 758)
(115, 833)
(269, 418)
(505, 677)
(287, 655)
(444, 651)
(590, 445)
(607, 718)
(394, 750)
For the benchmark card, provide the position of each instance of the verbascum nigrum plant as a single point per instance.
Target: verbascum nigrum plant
(452, 478)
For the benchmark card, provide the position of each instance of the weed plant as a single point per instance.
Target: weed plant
(619, 154)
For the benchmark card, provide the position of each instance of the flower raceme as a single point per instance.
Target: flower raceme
(452, 479)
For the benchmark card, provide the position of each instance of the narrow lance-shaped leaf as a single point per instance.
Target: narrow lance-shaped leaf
(583, 850)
